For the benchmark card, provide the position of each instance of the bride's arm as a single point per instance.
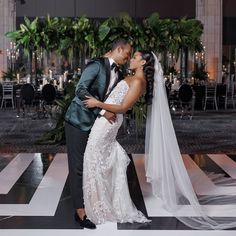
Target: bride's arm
(135, 91)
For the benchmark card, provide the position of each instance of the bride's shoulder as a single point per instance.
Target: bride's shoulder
(135, 81)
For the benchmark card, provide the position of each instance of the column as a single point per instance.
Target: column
(209, 12)
(7, 23)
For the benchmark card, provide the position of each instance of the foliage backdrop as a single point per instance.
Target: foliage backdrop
(84, 38)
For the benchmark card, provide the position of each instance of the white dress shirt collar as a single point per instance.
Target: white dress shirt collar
(111, 60)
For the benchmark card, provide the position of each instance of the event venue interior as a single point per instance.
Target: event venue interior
(45, 46)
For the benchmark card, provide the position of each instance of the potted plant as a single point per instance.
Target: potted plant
(200, 74)
(9, 75)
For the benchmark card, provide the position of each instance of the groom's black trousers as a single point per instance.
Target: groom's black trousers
(76, 141)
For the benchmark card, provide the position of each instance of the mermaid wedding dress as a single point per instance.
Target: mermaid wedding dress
(105, 187)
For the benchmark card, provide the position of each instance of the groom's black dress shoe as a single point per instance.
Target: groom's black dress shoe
(85, 223)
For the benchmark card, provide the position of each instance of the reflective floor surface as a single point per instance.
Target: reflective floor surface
(35, 197)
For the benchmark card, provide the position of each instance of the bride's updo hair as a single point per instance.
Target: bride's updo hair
(148, 69)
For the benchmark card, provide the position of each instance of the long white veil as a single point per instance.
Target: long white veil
(165, 169)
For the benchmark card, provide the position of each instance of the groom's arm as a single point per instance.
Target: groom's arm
(87, 78)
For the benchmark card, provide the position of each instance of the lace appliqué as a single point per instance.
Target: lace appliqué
(106, 193)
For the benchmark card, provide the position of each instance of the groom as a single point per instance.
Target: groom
(97, 80)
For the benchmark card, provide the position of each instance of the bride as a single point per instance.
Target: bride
(105, 187)
(106, 194)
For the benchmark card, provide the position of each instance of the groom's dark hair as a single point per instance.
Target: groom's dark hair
(119, 43)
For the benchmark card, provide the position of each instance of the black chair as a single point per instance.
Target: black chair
(48, 98)
(49, 93)
(27, 94)
(186, 99)
(26, 97)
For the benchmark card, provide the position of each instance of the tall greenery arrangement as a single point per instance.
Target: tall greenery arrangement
(83, 37)
(28, 36)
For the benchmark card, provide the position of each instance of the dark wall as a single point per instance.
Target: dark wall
(166, 8)
(229, 22)
(106, 8)
(135, 8)
(229, 8)
(229, 31)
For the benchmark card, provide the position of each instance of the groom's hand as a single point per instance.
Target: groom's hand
(111, 117)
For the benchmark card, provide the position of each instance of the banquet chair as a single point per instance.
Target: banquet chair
(210, 95)
(7, 94)
(226, 92)
(230, 94)
(187, 100)
(48, 98)
(26, 97)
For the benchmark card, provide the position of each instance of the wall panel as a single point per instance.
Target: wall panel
(106, 8)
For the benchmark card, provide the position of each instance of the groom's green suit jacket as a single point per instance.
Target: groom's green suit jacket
(94, 82)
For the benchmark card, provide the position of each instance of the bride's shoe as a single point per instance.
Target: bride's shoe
(85, 223)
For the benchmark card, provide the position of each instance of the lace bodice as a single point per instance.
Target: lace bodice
(118, 93)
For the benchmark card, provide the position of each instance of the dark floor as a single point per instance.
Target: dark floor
(207, 132)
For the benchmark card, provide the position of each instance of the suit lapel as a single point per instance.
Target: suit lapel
(120, 76)
(114, 85)
(108, 74)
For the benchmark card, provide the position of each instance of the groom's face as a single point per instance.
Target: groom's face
(123, 54)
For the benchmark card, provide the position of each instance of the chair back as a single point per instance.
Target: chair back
(231, 88)
(7, 90)
(27, 93)
(185, 93)
(48, 93)
(211, 90)
(7, 93)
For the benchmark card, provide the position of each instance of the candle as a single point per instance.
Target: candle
(192, 80)
(44, 81)
(60, 82)
(65, 76)
(50, 74)
(55, 82)
(28, 80)
(18, 78)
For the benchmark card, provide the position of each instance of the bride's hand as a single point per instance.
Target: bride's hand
(90, 102)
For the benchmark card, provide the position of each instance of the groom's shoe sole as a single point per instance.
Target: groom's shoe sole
(85, 223)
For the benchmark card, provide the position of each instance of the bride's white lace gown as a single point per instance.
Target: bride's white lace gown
(105, 187)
